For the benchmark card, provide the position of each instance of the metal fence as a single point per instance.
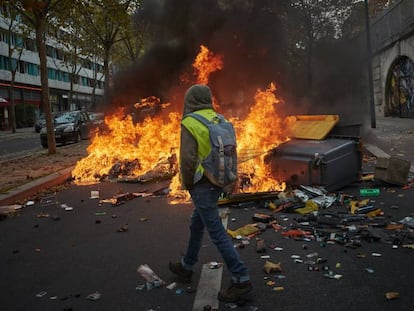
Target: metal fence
(393, 24)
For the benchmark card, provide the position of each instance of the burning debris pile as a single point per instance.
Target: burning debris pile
(141, 151)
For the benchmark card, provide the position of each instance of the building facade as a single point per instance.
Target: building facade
(392, 36)
(71, 87)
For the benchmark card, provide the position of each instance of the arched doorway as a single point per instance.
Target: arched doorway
(400, 89)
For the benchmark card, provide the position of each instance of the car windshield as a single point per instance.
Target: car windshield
(68, 117)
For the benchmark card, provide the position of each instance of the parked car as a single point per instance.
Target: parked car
(68, 126)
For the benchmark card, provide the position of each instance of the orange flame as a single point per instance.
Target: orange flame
(151, 143)
(206, 63)
(261, 131)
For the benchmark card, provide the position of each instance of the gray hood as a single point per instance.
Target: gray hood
(196, 98)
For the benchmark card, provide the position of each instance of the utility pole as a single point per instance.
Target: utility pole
(369, 67)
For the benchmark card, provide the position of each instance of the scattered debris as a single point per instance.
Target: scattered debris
(121, 198)
(49, 200)
(215, 265)
(245, 231)
(369, 192)
(409, 221)
(171, 286)
(123, 228)
(94, 296)
(66, 207)
(9, 210)
(392, 170)
(392, 295)
(149, 275)
(41, 294)
(94, 194)
(271, 267)
(179, 291)
(260, 246)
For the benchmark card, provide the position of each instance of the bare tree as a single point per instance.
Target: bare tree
(38, 14)
(103, 22)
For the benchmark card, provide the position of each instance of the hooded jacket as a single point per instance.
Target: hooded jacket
(198, 97)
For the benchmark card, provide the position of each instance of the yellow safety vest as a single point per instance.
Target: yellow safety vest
(201, 134)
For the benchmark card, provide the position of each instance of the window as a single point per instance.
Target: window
(14, 64)
(33, 69)
(30, 44)
(19, 41)
(51, 73)
(22, 67)
(59, 75)
(65, 77)
(86, 64)
(13, 39)
(50, 51)
(75, 79)
(4, 9)
(59, 54)
(90, 82)
(3, 35)
(4, 63)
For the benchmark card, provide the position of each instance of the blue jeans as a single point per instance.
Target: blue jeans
(206, 215)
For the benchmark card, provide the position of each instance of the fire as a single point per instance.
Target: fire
(261, 131)
(134, 149)
(206, 63)
(149, 143)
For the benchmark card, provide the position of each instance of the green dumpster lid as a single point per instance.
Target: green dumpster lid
(311, 126)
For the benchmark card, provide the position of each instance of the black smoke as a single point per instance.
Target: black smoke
(255, 38)
(249, 37)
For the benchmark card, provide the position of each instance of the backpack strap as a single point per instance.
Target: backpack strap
(202, 119)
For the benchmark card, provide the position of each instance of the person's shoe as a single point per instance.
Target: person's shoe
(236, 292)
(178, 269)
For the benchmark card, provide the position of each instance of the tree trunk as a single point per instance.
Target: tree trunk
(70, 99)
(12, 118)
(108, 78)
(41, 47)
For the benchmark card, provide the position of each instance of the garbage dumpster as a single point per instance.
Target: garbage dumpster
(331, 162)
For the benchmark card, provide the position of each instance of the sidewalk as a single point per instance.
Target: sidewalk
(392, 137)
(20, 132)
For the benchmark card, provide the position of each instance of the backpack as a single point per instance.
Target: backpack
(220, 165)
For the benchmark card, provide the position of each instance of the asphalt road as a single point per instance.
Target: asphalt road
(98, 247)
(95, 247)
(20, 144)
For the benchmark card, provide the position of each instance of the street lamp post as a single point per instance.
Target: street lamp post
(369, 67)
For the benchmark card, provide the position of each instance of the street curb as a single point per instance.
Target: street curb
(23, 192)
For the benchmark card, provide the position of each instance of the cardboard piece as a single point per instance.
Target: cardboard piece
(392, 170)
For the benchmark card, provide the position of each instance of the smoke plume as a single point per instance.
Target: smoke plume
(256, 45)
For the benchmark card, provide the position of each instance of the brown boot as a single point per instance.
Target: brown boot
(236, 292)
(178, 269)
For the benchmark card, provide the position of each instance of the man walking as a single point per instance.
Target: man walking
(194, 148)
